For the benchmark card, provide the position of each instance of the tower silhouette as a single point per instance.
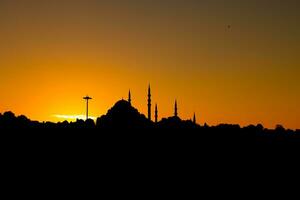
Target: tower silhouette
(129, 97)
(194, 119)
(87, 98)
(175, 109)
(156, 113)
(149, 102)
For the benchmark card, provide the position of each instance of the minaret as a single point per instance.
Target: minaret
(156, 113)
(149, 103)
(175, 109)
(129, 97)
(194, 119)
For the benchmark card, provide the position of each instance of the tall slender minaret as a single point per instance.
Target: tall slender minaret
(129, 97)
(156, 113)
(149, 103)
(194, 119)
(175, 109)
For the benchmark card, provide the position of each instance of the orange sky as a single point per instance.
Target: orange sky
(52, 53)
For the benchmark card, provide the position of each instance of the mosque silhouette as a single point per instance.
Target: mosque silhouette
(124, 115)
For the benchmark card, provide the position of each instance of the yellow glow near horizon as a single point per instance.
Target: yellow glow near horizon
(53, 53)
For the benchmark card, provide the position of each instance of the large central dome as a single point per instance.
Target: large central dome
(123, 115)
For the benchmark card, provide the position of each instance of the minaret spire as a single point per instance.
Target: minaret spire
(194, 119)
(175, 109)
(156, 113)
(149, 102)
(129, 97)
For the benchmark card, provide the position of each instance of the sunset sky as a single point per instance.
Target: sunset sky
(229, 61)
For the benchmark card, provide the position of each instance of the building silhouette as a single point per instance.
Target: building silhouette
(149, 103)
(175, 109)
(149, 107)
(123, 116)
(194, 119)
(129, 97)
(164, 122)
(156, 113)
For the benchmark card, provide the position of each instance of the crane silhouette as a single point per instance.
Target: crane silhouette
(87, 98)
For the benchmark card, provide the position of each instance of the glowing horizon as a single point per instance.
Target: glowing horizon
(232, 62)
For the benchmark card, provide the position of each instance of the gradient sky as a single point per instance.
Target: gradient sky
(53, 52)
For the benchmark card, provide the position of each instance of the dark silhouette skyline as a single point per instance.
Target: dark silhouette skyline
(123, 117)
(212, 56)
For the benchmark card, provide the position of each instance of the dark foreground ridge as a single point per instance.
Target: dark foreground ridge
(123, 119)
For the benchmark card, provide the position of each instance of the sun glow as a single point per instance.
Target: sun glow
(53, 53)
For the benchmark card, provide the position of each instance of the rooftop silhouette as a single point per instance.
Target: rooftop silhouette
(124, 116)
